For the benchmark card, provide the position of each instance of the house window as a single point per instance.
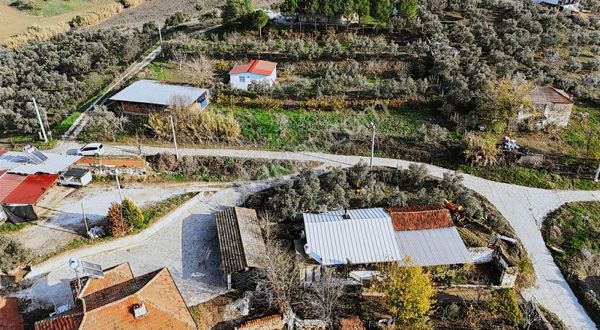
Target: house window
(242, 79)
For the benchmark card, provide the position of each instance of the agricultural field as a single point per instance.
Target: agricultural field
(572, 234)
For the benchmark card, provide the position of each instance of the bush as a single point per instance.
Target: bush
(480, 149)
(12, 254)
(176, 19)
(431, 134)
(132, 214)
(504, 302)
(131, 3)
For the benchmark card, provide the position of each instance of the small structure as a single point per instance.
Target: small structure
(108, 165)
(121, 301)
(145, 96)
(19, 193)
(76, 176)
(241, 244)
(241, 75)
(33, 161)
(570, 5)
(324, 20)
(10, 317)
(426, 234)
(269, 322)
(552, 106)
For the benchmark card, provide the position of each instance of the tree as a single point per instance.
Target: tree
(132, 214)
(407, 8)
(289, 7)
(200, 71)
(409, 292)
(12, 254)
(501, 100)
(382, 10)
(362, 7)
(103, 124)
(326, 296)
(258, 20)
(236, 9)
(176, 19)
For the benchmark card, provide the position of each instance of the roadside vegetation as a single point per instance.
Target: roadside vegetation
(572, 233)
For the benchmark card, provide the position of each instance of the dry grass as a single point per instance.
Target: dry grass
(36, 33)
(99, 15)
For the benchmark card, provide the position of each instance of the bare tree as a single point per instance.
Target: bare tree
(200, 71)
(325, 296)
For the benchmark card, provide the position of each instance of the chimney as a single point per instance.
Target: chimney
(346, 215)
(139, 310)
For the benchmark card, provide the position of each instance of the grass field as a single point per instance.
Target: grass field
(49, 8)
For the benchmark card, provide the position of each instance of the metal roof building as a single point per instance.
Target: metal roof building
(366, 237)
(240, 240)
(157, 93)
(21, 163)
(371, 236)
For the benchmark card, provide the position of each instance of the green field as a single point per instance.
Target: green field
(49, 8)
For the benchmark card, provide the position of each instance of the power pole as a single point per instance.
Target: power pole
(119, 186)
(87, 228)
(372, 144)
(37, 111)
(174, 138)
(160, 38)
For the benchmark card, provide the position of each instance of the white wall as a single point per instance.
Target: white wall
(234, 79)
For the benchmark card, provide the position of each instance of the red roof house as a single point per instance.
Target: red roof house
(30, 189)
(242, 75)
(10, 317)
(121, 301)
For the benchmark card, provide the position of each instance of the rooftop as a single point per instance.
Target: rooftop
(260, 67)
(22, 163)
(24, 189)
(10, 316)
(158, 93)
(240, 240)
(420, 217)
(549, 94)
(111, 307)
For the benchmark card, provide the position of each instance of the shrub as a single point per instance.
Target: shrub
(176, 19)
(131, 3)
(431, 134)
(132, 214)
(416, 174)
(504, 302)
(12, 254)
(117, 224)
(480, 149)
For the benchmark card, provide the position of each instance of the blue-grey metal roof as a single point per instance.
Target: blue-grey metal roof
(20, 163)
(367, 237)
(433, 247)
(156, 92)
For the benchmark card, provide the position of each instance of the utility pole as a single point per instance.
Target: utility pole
(372, 144)
(597, 173)
(119, 186)
(160, 38)
(87, 228)
(37, 111)
(174, 138)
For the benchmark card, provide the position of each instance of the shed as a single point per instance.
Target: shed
(241, 243)
(242, 75)
(551, 106)
(144, 96)
(76, 176)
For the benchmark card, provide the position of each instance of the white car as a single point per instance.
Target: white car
(92, 149)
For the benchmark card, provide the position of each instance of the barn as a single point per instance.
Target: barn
(145, 96)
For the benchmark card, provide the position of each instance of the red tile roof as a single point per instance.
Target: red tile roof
(30, 190)
(265, 320)
(2, 152)
(261, 67)
(112, 276)
(10, 317)
(112, 307)
(8, 183)
(420, 217)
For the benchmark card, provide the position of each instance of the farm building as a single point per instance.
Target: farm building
(242, 75)
(369, 236)
(118, 300)
(241, 244)
(145, 96)
(551, 106)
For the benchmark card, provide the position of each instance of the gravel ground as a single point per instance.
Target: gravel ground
(64, 223)
(185, 242)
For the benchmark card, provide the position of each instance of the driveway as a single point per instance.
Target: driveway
(525, 209)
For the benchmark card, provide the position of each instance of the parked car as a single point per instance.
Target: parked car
(76, 177)
(91, 149)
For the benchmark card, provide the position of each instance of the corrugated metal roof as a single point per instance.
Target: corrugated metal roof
(367, 237)
(8, 183)
(433, 247)
(240, 239)
(156, 92)
(18, 162)
(30, 190)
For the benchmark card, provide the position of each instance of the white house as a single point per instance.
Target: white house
(242, 75)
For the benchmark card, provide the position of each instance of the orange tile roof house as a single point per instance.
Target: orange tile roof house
(122, 301)
(242, 75)
(10, 317)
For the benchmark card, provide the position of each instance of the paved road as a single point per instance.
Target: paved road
(524, 207)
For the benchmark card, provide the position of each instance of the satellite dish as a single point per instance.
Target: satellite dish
(73, 263)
